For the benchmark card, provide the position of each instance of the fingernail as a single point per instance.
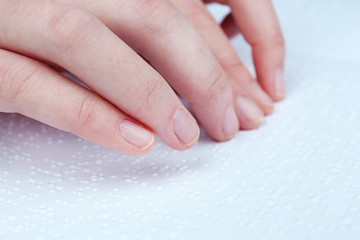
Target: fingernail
(265, 101)
(136, 135)
(185, 127)
(279, 84)
(230, 123)
(249, 110)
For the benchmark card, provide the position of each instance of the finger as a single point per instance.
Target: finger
(258, 23)
(243, 85)
(80, 43)
(157, 31)
(35, 90)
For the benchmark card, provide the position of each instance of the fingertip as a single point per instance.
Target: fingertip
(261, 98)
(230, 124)
(251, 125)
(136, 135)
(268, 110)
(274, 85)
(185, 128)
(279, 85)
(249, 113)
(270, 73)
(137, 152)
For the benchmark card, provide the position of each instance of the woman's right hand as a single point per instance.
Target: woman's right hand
(131, 99)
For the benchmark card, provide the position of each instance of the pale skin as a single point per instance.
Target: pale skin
(134, 55)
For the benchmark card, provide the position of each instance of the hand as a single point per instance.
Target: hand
(258, 22)
(100, 43)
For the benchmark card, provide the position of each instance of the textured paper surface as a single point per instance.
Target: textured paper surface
(297, 177)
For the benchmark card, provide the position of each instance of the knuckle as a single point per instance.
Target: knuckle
(216, 84)
(200, 21)
(152, 92)
(150, 9)
(274, 41)
(87, 111)
(4, 72)
(234, 64)
(232, 61)
(158, 16)
(14, 79)
(278, 40)
(66, 26)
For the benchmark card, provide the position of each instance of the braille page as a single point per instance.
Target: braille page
(296, 177)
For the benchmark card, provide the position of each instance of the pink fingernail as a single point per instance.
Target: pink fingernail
(230, 123)
(185, 127)
(136, 135)
(265, 101)
(279, 84)
(249, 110)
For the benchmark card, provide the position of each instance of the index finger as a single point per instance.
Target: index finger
(258, 22)
(80, 43)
